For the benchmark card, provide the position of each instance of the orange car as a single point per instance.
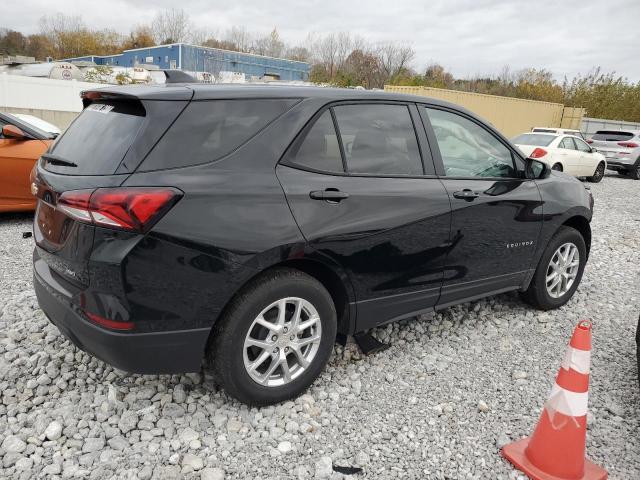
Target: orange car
(21, 144)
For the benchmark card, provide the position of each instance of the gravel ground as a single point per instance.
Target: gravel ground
(452, 389)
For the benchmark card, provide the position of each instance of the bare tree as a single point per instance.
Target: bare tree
(240, 37)
(392, 60)
(171, 26)
(270, 45)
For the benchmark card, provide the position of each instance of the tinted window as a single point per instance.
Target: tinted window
(567, 143)
(612, 136)
(534, 139)
(99, 138)
(545, 130)
(379, 139)
(583, 147)
(469, 150)
(318, 148)
(209, 130)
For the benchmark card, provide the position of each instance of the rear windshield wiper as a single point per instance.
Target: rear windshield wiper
(55, 160)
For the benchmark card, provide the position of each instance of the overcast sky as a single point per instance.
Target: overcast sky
(466, 36)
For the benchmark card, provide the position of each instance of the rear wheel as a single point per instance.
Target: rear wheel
(598, 175)
(559, 272)
(635, 172)
(275, 338)
(557, 166)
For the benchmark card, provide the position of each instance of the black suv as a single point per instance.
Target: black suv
(247, 226)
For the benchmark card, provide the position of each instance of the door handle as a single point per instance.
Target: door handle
(466, 194)
(329, 194)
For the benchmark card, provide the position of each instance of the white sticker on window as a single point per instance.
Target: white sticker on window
(100, 107)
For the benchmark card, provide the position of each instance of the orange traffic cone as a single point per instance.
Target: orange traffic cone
(556, 450)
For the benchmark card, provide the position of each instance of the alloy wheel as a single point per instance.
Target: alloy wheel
(282, 342)
(562, 270)
(599, 173)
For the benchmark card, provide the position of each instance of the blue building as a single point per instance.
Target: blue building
(192, 58)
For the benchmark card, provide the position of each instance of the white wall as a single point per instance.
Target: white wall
(42, 93)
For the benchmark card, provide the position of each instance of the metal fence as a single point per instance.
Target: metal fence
(592, 125)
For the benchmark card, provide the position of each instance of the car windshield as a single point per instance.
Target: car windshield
(19, 121)
(38, 123)
(533, 139)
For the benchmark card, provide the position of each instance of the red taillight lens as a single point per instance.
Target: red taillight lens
(589, 141)
(128, 208)
(628, 144)
(105, 322)
(538, 153)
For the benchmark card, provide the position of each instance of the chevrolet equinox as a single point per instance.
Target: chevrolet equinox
(245, 227)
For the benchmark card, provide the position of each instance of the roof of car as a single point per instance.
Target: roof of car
(555, 129)
(204, 91)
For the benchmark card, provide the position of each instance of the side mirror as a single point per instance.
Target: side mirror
(11, 131)
(594, 149)
(536, 169)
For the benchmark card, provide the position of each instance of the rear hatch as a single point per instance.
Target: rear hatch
(614, 143)
(86, 166)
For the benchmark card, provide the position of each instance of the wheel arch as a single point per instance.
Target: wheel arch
(582, 225)
(335, 281)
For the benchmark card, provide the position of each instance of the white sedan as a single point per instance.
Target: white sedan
(566, 153)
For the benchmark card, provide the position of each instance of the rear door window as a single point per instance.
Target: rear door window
(318, 149)
(378, 139)
(98, 139)
(210, 129)
(607, 136)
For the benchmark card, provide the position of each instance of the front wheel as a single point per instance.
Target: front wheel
(598, 175)
(274, 339)
(559, 272)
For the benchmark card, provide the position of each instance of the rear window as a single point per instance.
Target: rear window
(210, 129)
(607, 136)
(537, 140)
(544, 130)
(99, 138)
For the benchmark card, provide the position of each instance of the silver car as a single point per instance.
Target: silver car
(621, 148)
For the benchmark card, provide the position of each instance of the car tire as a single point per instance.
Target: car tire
(634, 172)
(557, 166)
(236, 366)
(538, 294)
(598, 175)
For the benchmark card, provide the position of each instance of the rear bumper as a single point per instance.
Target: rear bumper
(620, 164)
(145, 353)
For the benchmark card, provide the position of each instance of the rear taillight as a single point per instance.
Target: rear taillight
(127, 208)
(628, 144)
(105, 322)
(589, 141)
(538, 153)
